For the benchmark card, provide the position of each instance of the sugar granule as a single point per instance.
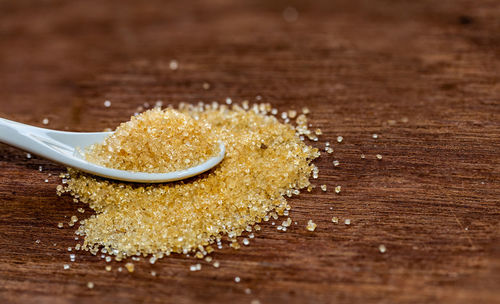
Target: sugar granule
(130, 267)
(311, 226)
(265, 162)
(338, 189)
(382, 248)
(173, 65)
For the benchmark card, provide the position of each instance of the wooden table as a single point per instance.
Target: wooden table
(423, 75)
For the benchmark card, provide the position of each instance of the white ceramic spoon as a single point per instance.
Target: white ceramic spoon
(61, 147)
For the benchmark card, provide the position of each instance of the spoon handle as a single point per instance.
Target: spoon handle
(31, 139)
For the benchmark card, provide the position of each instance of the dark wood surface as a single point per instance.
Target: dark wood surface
(424, 75)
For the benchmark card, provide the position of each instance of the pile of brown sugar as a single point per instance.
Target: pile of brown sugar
(266, 162)
(156, 141)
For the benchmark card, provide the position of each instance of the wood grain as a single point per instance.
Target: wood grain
(424, 75)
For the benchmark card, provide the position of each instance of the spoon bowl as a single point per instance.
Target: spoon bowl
(63, 147)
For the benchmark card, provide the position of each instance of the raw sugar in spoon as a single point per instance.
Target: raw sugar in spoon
(61, 147)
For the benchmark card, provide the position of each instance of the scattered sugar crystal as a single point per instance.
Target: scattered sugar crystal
(340, 139)
(237, 279)
(338, 189)
(311, 226)
(130, 267)
(173, 65)
(235, 245)
(323, 187)
(379, 156)
(66, 266)
(382, 248)
(287, 222)
(336, 163)
(45, 121)
(107, 103)
(347, 221)
(335, 220)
